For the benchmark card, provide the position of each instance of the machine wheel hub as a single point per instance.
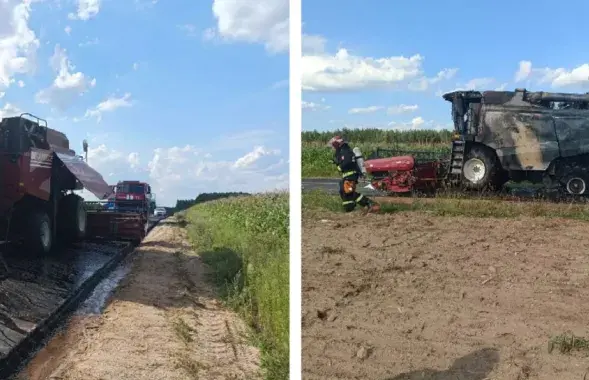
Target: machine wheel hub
(576, 186)
(474, 170)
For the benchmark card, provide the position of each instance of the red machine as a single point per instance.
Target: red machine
(126, 215)
(39, 174)
(404, 173)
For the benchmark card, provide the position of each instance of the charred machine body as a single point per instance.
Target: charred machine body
(502, 136)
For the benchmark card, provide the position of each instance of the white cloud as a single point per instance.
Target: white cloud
(9, 110)
(559, 77)
(419, 123)
(363, 110)
(133, 160)
(87, 9)
(18, 43)
(262, 21)
(68, 30)
(346, 72)
(184, 172)
(109, 105)
(67, 84)
(524, 71)
(392, 110)
(20, 83)
(402, 108)
(136, 66)
(311, 106)
(254, 156)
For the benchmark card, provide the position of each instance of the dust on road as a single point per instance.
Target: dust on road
(411, 296)
(163, 322)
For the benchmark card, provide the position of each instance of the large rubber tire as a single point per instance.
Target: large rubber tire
(38, 235)
(576, 183)
(481, 170)
(71, 219)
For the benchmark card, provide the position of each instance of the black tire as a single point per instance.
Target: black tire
(576, 183)
(480, 159)
(38, 236)
(71, 219)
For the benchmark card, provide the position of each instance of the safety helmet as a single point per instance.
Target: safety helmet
(336, 141)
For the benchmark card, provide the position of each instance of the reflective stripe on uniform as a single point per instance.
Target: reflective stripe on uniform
(348, 202)
(360, 198)
(347, 174)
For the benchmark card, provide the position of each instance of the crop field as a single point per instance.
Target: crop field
(245, 240)
(316, 154)
(445, 289)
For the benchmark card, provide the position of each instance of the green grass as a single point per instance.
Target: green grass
(459, 206)
(316, 154)
(245, 240)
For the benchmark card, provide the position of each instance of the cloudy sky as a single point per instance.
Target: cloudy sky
(191, 96)
(384, 64)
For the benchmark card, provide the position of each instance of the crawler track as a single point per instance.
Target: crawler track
(38, 294)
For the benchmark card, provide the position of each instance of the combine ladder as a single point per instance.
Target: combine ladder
(456, 162)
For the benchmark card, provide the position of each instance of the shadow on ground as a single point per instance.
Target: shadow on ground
(474, 366)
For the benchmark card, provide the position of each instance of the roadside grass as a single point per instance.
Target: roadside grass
(245, 241)
(459, 205)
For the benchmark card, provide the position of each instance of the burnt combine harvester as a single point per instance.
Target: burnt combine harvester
(39, 174)
(499, 136)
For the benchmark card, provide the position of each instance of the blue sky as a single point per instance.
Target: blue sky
(384, 64)
(191, 96)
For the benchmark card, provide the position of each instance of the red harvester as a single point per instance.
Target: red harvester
(39, 174)
(401, 172)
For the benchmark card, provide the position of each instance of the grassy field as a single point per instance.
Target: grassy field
(316, 154)
(246, 241)
(459, 206)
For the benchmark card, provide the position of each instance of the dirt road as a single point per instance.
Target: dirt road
(163, 322)
(409, 296)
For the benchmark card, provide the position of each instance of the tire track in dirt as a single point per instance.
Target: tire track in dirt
(163, 322)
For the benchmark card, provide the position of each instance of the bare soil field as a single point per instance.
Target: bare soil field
(412, 296)
(163, 322)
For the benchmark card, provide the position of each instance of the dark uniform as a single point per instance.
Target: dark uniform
(345, 159)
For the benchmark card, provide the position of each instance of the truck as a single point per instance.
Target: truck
(125, 214)
(39, 174)
(500, 136)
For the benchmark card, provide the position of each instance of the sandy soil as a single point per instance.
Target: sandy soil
(410, 296)
(163, 322)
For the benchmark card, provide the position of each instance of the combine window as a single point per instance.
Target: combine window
(129, 188)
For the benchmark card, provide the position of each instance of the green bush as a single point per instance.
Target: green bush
(245, 240)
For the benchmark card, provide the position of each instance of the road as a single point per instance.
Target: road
(331, 185)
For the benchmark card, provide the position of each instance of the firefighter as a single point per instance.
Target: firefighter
(345, 160)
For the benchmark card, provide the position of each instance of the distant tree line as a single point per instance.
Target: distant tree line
(183, 204)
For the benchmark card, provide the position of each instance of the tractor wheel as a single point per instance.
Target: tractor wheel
(576, 183)
(38, 238)
(481, 170)
(72, 218)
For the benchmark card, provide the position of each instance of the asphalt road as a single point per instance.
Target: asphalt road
(331, 185)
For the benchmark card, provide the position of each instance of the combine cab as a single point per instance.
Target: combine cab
(126, 213)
